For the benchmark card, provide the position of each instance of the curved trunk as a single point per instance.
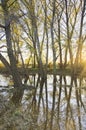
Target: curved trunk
(13, 67)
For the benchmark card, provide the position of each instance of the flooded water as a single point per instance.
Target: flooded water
(58, 103)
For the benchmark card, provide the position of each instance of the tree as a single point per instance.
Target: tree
(78, 58)
(68, 33)
(7, 28)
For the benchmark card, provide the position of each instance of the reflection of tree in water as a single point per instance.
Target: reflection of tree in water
(67, 104)
(61, 108)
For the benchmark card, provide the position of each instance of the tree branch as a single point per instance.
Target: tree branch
(2, 26)
(5, 62)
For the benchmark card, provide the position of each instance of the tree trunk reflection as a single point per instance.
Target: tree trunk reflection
(58, 105)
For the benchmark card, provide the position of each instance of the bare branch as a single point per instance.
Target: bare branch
(2, 26)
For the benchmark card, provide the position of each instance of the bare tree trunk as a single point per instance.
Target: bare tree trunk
(46, 33)
(52, 36)
(13, 67)
(68, 35)
(80, 45)
(35, 40)
(59, 42)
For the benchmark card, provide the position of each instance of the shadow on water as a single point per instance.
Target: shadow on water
(56, 103)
